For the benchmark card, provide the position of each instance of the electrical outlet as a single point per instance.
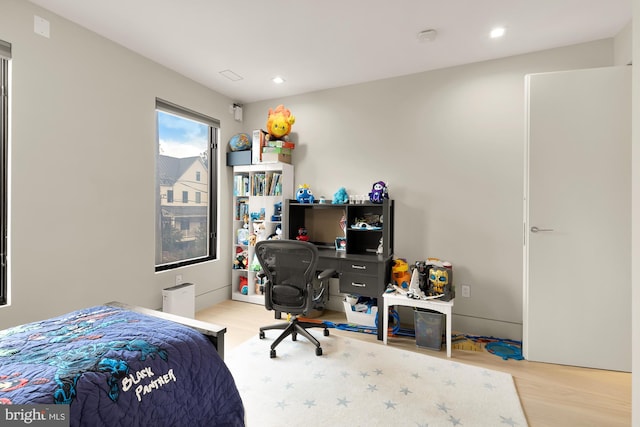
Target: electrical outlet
(466, 291)
(178, 279)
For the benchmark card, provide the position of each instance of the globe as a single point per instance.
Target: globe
(240, 142)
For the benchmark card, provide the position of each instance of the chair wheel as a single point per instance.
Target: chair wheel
(326, 332)
(261, 335)
(318, 351)
(294, 337)
(273, 354)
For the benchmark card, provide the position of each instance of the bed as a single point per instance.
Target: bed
(118, 365)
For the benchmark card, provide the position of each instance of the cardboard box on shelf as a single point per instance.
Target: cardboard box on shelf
(276, 157)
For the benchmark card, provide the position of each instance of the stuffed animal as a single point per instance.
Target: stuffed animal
(260, 231)
(243, 285)
(304, 194)
(277, 235)
(378, 192)
(240, 263)
(340, 196)
(279, 122)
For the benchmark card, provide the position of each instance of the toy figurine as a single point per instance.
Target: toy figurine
(302, 234)
(400, 273)
(379, 192)
(435, 278)
(277, 212)
(304, 194)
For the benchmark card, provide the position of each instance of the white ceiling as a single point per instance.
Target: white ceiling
(316, 44)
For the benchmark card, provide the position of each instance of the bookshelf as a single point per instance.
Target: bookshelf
(259, 192)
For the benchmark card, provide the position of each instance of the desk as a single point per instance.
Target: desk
(443, 307)
(365, 274)
(360, 268)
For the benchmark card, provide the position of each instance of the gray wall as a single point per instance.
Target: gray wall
(83, 171)
(450, 144)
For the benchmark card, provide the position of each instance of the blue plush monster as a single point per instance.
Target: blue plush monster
(304, 194)
(340, 196)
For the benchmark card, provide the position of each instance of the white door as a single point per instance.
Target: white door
(577, 227)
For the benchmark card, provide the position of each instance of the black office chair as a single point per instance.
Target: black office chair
(292, 286)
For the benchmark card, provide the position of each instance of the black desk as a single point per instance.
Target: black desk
(360, 269)
(360, 274)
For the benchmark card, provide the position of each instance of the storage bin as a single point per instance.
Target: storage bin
(429, 327)
(238, 158)
(359, 317)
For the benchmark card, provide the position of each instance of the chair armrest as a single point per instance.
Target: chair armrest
(326, 274)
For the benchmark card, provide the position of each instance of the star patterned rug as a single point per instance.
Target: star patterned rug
(356, 383)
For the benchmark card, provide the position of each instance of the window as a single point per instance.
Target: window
(5, 57)
(187, 144)
(198, 197)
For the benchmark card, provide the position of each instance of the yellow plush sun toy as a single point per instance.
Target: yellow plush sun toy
(279, 122)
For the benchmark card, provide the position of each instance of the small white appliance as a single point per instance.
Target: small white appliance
(180, 300)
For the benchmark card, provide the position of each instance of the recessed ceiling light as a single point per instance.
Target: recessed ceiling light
(231, 75)
(278, 80)
(497, 32)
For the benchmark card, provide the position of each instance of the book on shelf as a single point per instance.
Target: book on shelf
(241, 185)
(242, 209)
(275, 187)
(279, 144)
(279, 150)
(259, 184)
(258, 141)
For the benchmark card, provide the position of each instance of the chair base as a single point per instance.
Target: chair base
(293, 328)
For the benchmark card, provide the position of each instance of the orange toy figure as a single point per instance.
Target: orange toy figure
(279, 122)
(400, 273)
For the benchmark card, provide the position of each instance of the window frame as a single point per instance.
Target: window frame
(212, 207)
(5, 59)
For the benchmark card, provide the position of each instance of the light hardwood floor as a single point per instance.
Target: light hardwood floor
(551, 395)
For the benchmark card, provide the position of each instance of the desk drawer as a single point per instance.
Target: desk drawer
(359, 284)
(360, 267)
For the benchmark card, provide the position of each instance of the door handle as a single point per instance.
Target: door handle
(535, 229)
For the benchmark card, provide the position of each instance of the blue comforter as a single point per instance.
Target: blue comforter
(116, 367)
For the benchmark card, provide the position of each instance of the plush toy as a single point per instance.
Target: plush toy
(279, 122)
(340, 196)
(304, 194)
(240, 263)
(378, 192)
(277, 235)
(243, 285)
(260, 231)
